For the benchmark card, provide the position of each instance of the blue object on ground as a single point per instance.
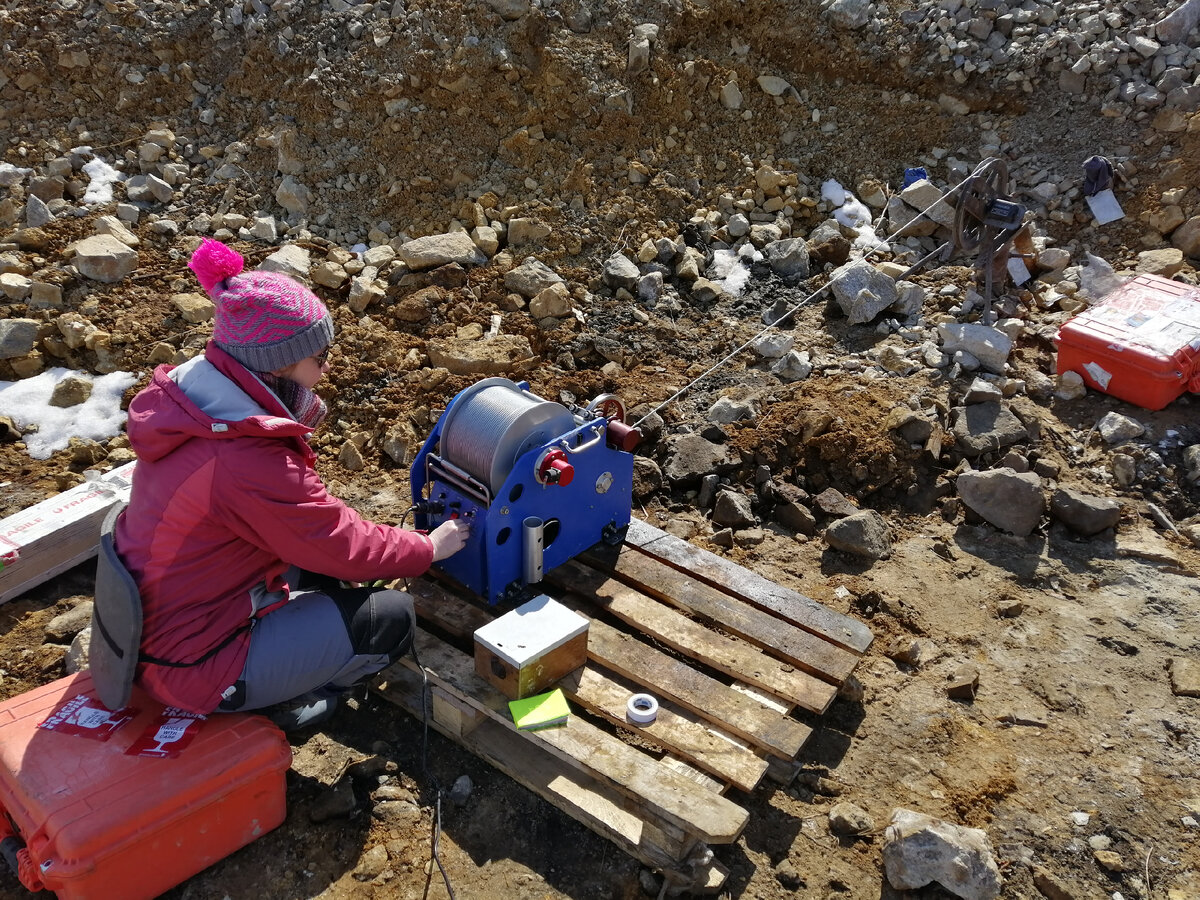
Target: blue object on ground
(913, 175)
(1098, 175)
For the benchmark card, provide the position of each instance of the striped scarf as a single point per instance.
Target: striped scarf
(304, 404)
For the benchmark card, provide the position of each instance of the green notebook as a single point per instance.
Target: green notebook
(540, 711)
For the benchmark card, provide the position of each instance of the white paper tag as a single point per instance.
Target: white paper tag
(1104, 207)
(1017, 270)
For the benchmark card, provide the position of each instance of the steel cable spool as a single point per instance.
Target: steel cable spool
(492, 423)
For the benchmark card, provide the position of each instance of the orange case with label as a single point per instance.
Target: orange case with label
(1141, 343)
(97, 823)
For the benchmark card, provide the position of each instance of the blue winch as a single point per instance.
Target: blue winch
(539, 482)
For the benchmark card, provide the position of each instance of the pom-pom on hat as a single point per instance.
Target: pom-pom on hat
(265, 320)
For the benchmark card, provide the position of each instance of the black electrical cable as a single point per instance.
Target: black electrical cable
(437, 787)
(426, 703)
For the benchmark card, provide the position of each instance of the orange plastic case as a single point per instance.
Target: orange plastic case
(1140, 344)
(130, 804)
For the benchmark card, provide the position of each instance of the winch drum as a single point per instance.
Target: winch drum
(492, 423)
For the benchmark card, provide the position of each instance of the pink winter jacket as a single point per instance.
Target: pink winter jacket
(225, 499)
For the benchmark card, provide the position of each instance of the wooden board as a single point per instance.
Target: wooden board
(672, 797)
(61, 532)
(750, 587)
(732, 659)
(692, 736)
(798, 647)
(719, 651)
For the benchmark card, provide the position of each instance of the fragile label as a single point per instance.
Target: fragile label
(9, 552)
(86, 717)
(167, 735)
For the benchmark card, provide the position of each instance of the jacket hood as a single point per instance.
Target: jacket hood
(211, 397)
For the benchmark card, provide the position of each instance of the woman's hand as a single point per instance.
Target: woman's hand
(448, 538)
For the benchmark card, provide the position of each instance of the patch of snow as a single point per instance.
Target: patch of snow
(731, 269)
(102, 178)
(27, 403)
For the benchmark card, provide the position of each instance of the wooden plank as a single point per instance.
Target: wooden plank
(458, 718)
(725, 654)
(676, 730)
(60, 532)
(585, 799)
(705, 781)
(719, 572)
(693, 737)
(676, 799)
(796, 646)
(693, 690)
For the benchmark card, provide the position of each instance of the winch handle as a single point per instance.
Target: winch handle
(600, 431)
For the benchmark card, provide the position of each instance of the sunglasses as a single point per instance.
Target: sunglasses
(323, 357)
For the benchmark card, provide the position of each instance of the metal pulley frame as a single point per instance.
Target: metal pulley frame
(986, 219)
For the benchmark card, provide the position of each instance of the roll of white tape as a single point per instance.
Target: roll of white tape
(642, 709)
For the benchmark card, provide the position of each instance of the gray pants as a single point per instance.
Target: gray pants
(322, 641)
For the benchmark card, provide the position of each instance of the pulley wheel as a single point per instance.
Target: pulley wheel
(975, 195)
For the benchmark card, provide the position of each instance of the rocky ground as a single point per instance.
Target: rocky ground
(617, 197)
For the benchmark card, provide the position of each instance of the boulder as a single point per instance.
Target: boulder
(530, 278)
(1011, 501)
(981, 427)
(864, 533)
(17, 337)
(690, 457)
(439, 249)
(862, 291)
(920, 850)
(105, 259)
(1083, 513)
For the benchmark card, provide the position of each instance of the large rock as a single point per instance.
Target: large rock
(862, 291)
(791, 510)
(1187, 237)
(1175, 28)
(291, 259)
(17, 337)
(494, 355)
(509, 10)
(104, 258)
(531, 277)
(988, 345)
(980, 427)
(848, 13)
(647, 477)
(919, 850)
(1116, 428)
(788, 258)
(863, 533)
(554, 302)
(690, 457)
(1084, 514)
(16, 286)
(440, 249)
(621, 272)
(733, 510)
(1010, 500)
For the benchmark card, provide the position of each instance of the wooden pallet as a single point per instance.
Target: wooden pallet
(742, 654)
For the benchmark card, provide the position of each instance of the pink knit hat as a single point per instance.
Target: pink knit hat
(264, 320)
